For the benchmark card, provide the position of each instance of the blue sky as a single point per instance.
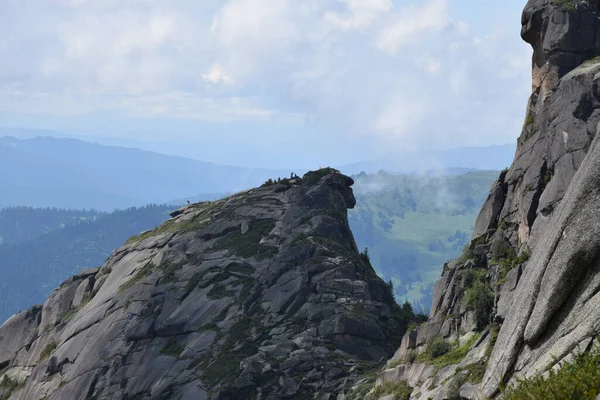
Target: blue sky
(267, 82)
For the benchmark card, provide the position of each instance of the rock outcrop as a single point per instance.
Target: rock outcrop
(262, 295)
(532, 269)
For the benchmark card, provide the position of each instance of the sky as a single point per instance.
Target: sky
(267, 83)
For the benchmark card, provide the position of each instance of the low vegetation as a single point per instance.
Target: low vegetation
(570, 5)
(400, 391)
(139, 275)
(480, 299)
(494, 331)
(218, 291)
(50, 347)
(248, 245)
(441, 353)
(466, 255)
(73, 310)
(8, 386)
(529, 128)
(577, 380)
(454, 387)
(173, 225)
(172, 348)
(412, 226)
(594, 60)
(473, 373)
(503, 254)
(436, 347)
(312, 177)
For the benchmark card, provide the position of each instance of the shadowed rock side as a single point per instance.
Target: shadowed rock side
(527, 286)
(262, 295)
(556, 306)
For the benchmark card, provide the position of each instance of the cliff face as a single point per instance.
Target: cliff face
(262, 295)
(532, 270)
(552, 307)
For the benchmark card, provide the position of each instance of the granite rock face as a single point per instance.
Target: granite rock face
(530, 278)
(262, 295)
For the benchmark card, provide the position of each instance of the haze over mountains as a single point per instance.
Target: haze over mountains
(70, 173)
(49, 172)
(460, 159)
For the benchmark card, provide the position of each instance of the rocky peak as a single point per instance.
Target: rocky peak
(563, 34)
(261, 295)
(561, 116)
(524, 295)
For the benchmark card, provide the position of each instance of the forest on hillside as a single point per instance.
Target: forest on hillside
(43, 247)
(413, 224)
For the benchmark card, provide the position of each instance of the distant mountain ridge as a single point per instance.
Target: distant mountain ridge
(70, 173)
(461, 159)
(49, 172)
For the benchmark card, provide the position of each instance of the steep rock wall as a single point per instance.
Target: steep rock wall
(262, 295)
(534, 251)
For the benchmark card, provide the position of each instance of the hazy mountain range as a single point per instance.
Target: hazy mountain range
(70, 173)
(49, 172)
(461, 159)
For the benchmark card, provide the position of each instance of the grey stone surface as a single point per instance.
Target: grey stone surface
(547, 202)
(18, 330)
(558, 294)
(237, 297)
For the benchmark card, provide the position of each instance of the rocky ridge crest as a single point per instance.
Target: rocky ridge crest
(261, 295)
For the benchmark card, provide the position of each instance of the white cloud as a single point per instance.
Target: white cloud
(412, 23)
(359, 14)
(216, 74)
(380, 68)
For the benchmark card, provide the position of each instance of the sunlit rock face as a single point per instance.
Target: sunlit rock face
(260, 295)
(535, 250)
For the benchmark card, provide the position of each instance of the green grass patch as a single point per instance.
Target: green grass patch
(312, 177)
(248, 245)
(570, 5)
(225, 367)
(479, 298)
(73, 310)
(170, 271)
(436, 347)
(193, 282)
(10, 385)
(577, 380)
(218, 291)
(359, 392)
(466, 255)
(440, 355)
(494, 331)
(139, 275)
(593, 60)
(509, 262)
(50, 347)
(172, 348)
(529, 128)
(400, 390)
(174, 226)
(475, 373)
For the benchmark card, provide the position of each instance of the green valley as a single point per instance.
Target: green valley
(413, 224)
